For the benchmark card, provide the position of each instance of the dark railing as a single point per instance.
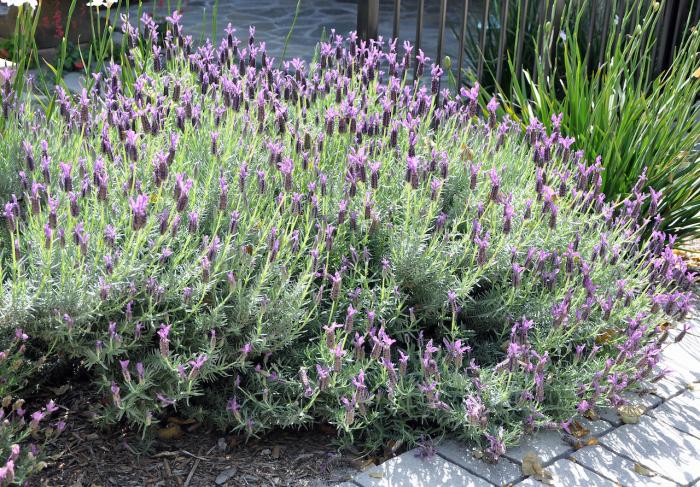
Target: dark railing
(668, 32)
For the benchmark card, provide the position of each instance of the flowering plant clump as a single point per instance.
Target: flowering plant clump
(21, 434)
(266, 247)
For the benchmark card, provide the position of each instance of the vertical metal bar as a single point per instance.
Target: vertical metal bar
(367, 19)
(542, 15)
(521, 37)
(397, 19)
(547, 44)
(484, 26)
(665, 41)
(419, 33)
(620, 16)
(589, 37)
(604, 33)
(441, 31)
(553, 36)
(621, 10)
(633, 20)
(645, 62)
(362, 19)
(441, 41)
(656, 38)
(678, 31)
(642, 10)
(502, 41)
(462, 34)
(373, 23)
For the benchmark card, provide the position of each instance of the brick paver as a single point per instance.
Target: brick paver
(682, 412)
(501, 473)
(595, 428)
(618, 469)
(408, 470)
(548, 445)
(658, 446)
(671, 386)
(566, 473)
(684, 358)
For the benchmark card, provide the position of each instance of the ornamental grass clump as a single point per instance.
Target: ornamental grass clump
(262, 247)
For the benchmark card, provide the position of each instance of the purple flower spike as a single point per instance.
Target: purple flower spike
(517, 274)
(483, 244)
(336, 282)
(508, 213)
(182, 191)
(116, 397)
(66, 180)
(139, 208)
(495, 184)
(164, 333)
(130, 145)
(492, 107)
(338, 354)
(421, 60)
(496, 447)
(29, 153)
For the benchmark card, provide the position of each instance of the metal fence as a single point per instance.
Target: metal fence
(601, 24)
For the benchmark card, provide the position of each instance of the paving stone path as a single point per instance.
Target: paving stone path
(662, 449)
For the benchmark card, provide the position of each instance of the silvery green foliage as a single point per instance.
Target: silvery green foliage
(263, 247)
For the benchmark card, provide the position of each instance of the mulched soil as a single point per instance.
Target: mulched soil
(85, 455)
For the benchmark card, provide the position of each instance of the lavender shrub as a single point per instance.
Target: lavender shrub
(22, 433)
(260, 247)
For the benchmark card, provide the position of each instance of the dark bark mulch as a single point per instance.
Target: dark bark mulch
(85, 455)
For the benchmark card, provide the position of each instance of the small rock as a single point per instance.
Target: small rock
(221, 445)
(532, 467)
(225, 476)
(265, 451)
(642, 470)
(630, 413)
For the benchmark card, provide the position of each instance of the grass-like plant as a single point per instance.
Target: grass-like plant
(639, 121)
(264, 247)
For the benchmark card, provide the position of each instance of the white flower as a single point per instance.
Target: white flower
(101, 3)
(19, 3)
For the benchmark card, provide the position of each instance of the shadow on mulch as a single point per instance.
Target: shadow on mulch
(85, 455)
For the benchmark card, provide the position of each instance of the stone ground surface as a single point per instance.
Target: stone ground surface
(662, 449)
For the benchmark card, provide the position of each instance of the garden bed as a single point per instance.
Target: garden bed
(212, 240)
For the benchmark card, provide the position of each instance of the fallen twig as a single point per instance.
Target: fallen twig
(194, 467)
